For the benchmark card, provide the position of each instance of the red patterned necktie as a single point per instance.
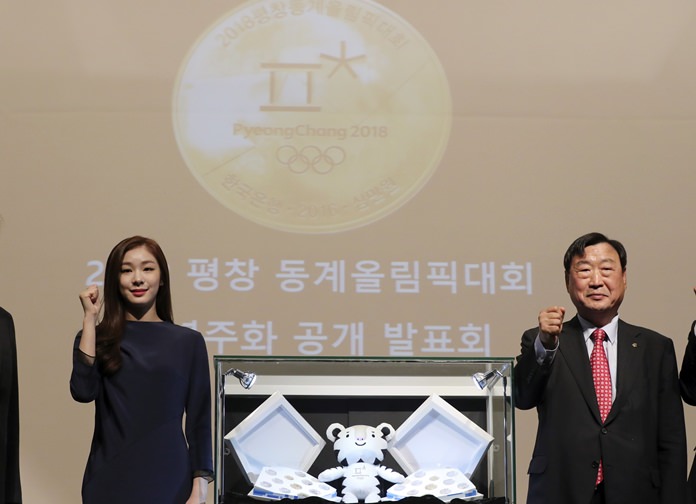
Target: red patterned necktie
(602, 382)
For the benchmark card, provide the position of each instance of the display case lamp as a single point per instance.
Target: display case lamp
(490, 378)
(246, 379)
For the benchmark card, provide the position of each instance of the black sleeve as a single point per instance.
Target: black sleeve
(687, 375)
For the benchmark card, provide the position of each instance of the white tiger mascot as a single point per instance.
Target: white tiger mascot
(360, 449)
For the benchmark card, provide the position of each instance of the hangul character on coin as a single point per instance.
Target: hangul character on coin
(278, 9)
(260, 15)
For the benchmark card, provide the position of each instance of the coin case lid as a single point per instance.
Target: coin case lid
(274, 435)
(438, 435)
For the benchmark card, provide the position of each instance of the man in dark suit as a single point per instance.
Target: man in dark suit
(687, 382)
(10, 488)
(632, 449)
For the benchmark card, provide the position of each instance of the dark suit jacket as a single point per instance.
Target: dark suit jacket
(687, 382)
(10, 489)
(643, 441)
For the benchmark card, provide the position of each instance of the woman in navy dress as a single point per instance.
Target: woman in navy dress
(145, 375)
(10, 483)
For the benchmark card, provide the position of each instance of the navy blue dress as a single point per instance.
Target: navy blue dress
(10, 484)
(140, 453)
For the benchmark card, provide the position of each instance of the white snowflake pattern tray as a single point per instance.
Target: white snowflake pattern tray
(275, 483)
(445, 483)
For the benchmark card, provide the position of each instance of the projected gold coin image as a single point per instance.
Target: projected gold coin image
(312, 117)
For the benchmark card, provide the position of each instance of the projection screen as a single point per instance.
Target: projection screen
(336, 177)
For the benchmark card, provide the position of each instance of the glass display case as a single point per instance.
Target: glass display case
(447, 427)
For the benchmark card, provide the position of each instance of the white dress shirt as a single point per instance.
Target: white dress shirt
(545, 355)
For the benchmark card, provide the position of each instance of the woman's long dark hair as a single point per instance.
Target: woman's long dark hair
(110, 329)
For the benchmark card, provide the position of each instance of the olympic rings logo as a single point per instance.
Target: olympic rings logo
(310, 157)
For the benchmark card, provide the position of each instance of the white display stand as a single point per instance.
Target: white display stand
(278, 424)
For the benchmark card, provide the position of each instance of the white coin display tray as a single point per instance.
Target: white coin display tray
(446, 483)
(275, 483)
